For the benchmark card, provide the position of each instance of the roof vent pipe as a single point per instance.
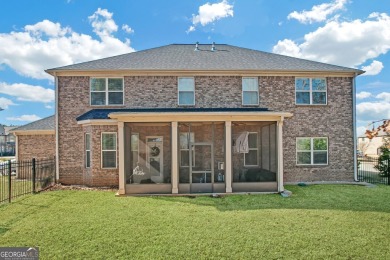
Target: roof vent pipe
(196, 46)
(213, 47)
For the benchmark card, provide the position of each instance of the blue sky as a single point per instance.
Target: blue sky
(37, 35)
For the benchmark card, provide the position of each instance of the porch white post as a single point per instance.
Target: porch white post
(121, 154)
(174, 167)
(228, 154)
(280, 155)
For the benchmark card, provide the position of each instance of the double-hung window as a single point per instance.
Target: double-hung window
(186, 91)
(87, 150)
(250, 91)
(312, 151)
(310, 91)
(108, 150)
(251, 158)
(106, 91)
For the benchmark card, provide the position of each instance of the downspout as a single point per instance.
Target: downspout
(56, 128)
(355, 175)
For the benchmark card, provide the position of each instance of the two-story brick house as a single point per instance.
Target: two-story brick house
(205, 118)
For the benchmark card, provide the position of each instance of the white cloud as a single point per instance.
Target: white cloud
(26, 92)
(318, 13)
(48, 106)
(190, 29)
(370, 111)
(47, 44)
(102, 23)
(127, 29)
(348, 43)
(363, 95)
(25, 118)
(373, 69)
(209, 13)
(5, 103)
(384, 95)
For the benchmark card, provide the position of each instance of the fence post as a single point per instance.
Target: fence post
(9, 181)
(33, 175)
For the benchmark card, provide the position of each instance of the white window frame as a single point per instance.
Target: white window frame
(106, 91)
(253, 149)
(187, 149)
(179, 91)
(87, 136)
(312, 150)
(311, 91)
(116, 150)
(257, 91)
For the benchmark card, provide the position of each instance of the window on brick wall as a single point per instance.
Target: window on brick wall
(186, 91)
(87, 150)
(312, 151)
(106, 91)
(250, 91)
(310, 91)
(108, 145)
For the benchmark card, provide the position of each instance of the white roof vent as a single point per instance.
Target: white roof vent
(196, 46)
(213, 47)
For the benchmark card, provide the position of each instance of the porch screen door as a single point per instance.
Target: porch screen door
(202, 169)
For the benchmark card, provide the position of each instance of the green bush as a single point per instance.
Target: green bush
(383, 162)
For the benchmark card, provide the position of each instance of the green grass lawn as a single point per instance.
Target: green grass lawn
(317, 222)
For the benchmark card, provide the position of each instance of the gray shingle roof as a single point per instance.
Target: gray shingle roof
(47, 123)
(183, 57)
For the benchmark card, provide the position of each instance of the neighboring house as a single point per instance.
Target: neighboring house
(371, 147)
(208, 118)
(36, 139)
(7, 141)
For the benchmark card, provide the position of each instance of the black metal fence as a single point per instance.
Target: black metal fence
(374, 170)
(18, 178)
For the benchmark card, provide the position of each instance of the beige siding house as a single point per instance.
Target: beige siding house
(203, 119)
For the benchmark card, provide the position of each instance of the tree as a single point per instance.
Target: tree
(384, 159)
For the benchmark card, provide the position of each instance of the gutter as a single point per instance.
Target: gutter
(355, 170)
(56, 128)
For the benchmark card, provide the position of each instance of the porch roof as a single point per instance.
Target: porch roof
(104, 113)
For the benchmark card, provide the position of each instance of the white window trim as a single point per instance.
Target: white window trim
(187, 149)
(106, 91)
(101, 150)
(87, 150)
(178, 91)
(311, 91)
(252, 149)
(312, 151)
(257, 92)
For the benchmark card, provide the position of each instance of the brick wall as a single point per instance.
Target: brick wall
(36, 146)
(333, 120)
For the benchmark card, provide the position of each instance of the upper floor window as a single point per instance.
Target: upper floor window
(250, 91)
(186, 90)
(310, 91)
(312, 151)
(106, 91)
